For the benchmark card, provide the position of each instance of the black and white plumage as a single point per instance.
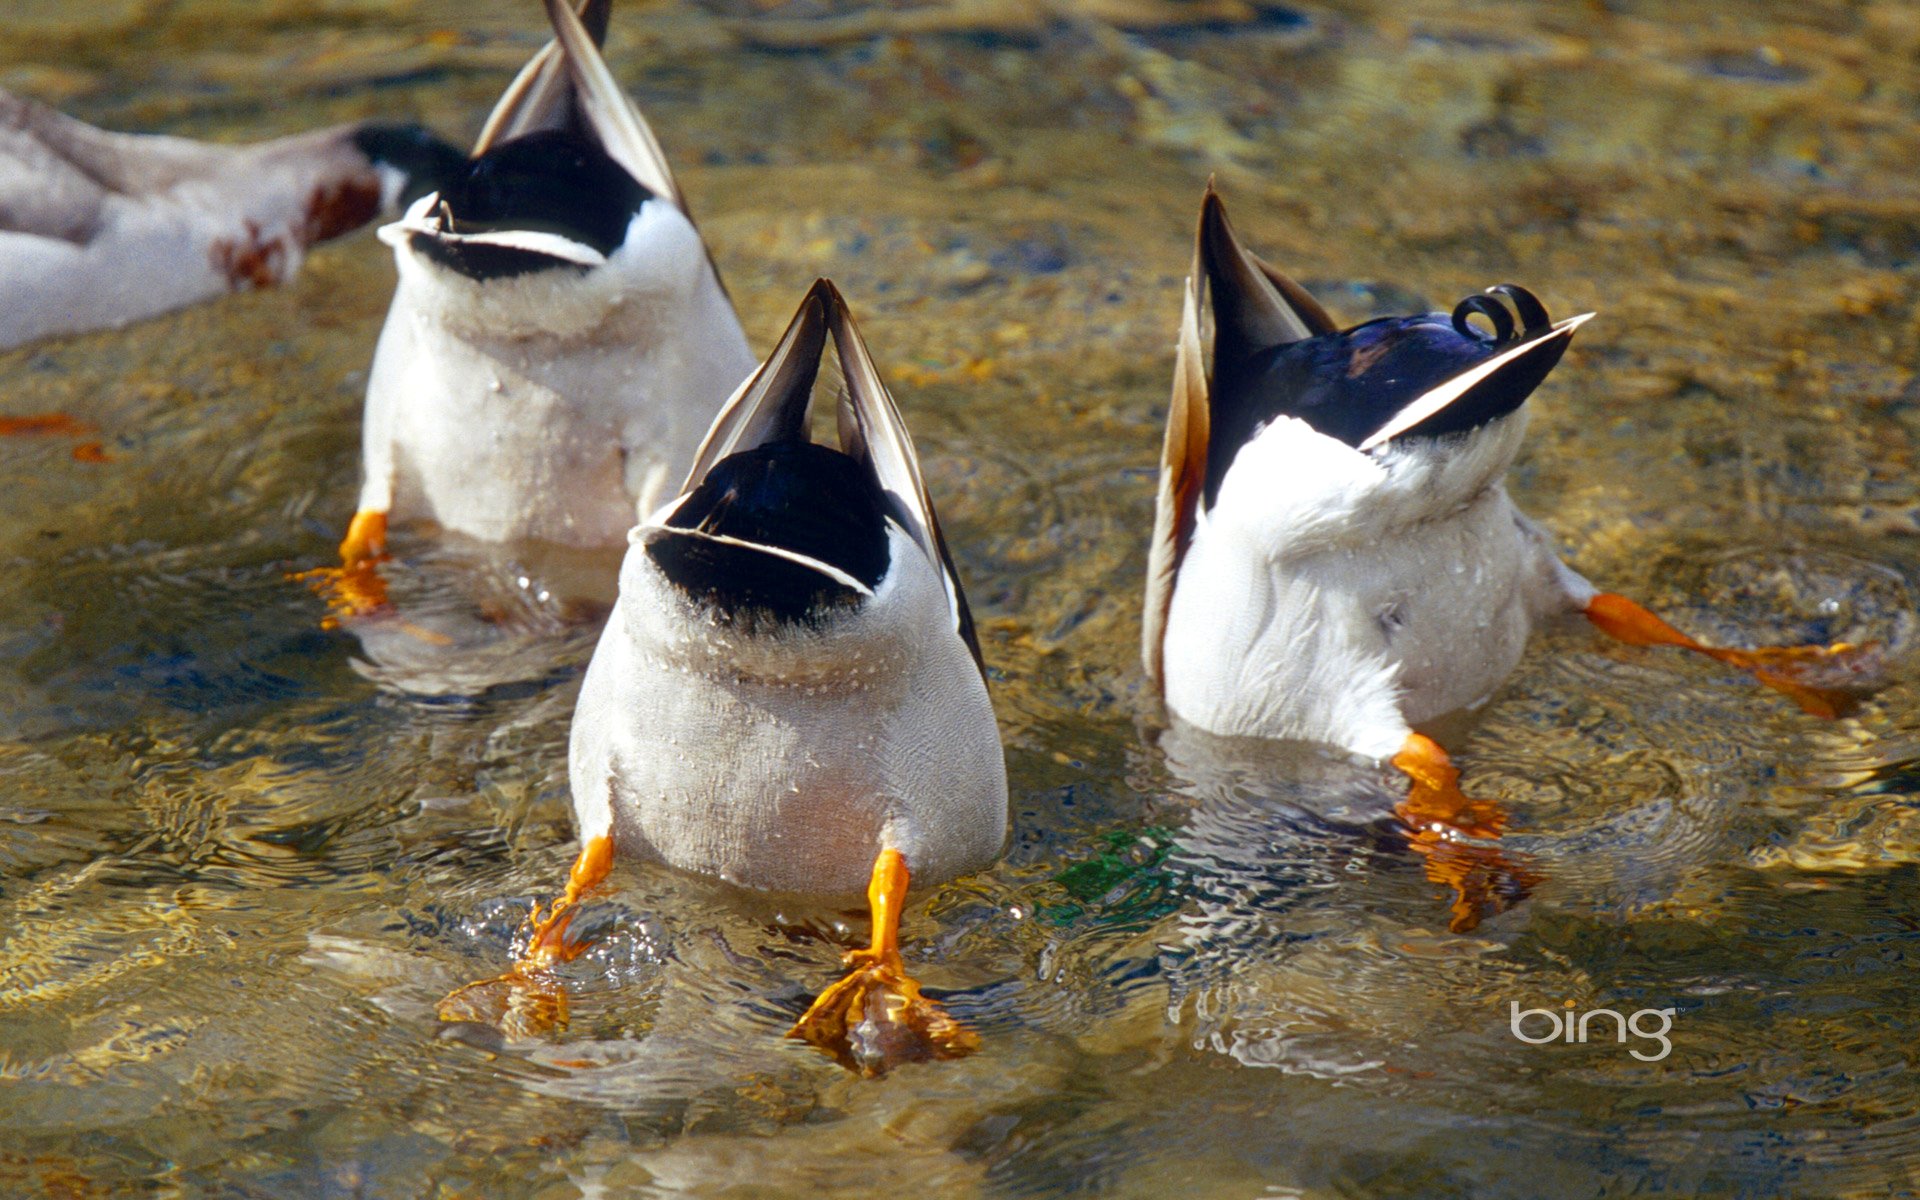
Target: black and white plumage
(559, 337)
(99, 229)
(789, 684)
(1335, 557)
(824, 511)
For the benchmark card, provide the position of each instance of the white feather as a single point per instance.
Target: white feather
(554, 405)
(783, 759)
(100, 229)
(616, 120)
(534, 241)
(1342, 597)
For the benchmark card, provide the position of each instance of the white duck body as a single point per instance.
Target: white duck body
(561, 399)
(1340, 597)
(554, 406)
(100, 229)
(783, 762)
(787, 752)
(1335, 558)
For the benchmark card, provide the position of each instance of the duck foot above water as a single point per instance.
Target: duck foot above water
(354, 588)
(1826, 681)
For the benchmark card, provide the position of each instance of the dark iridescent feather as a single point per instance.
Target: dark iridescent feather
(1352, 384)
(426, 162)
(552, 181)
(807, 499)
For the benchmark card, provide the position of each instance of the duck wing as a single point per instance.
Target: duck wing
(1249, 306)
(872, 430)
(541, 95)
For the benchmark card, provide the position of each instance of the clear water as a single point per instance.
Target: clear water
(239, 861)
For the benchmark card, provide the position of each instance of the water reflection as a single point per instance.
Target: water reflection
(463, 617)
(241, 858)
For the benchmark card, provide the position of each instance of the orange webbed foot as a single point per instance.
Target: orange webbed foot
(520, 1004)
(1826, 681)
(1435, 802)
(530, 999)
(876, 1017)
(1485, 880)
(553, 940)
(351, 592)
(354, 589)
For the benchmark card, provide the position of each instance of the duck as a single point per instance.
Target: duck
(559, 337)
(99, 229)
(1335, 558)
(789, 695)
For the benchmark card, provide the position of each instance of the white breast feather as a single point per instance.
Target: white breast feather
(553, 406)
(1339, 597)
(787, 762)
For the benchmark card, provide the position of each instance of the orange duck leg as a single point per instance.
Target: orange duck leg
(354, 588)
(1806, 674)
(876, 1017)
(1439, 815)
(530, 999)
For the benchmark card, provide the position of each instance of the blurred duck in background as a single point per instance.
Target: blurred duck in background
(101, 229)
(559, 338)
(1335, 558)
(789, 695)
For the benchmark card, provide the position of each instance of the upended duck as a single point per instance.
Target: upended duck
(559, 337)
(1335, 558)
(100, 229)
(789, 695)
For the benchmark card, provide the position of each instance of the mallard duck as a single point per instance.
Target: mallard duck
(789, 695)
(559, 337)
(100, 229)
(1335, 558)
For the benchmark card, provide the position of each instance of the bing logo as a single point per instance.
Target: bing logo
(1569, 1026)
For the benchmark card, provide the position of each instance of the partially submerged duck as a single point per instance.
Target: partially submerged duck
(1335, 558)
(559, 338)
(789, 694)
(101, 229)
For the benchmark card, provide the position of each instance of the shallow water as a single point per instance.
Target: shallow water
(241, 858)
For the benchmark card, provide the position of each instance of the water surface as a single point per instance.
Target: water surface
(240, 859)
